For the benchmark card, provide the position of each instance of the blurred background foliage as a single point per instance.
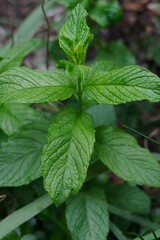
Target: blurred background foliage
(125, 32)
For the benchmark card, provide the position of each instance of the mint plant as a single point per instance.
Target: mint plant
(73, 143)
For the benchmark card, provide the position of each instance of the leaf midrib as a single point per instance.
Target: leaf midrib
(67, 153)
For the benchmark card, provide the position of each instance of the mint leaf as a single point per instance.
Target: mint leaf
(156, 156)
(20, 155)
(117, 53)
(106, 13)
(122, 155)
(128, 197)
(103, 115)
(101, 66)
(87, 215)
(23, 85)
(72, 3)
(14, 116)
(75, 36)
(67, 153)
(15, 55)
(122, 85)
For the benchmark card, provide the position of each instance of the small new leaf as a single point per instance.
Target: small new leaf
(87, 215)
(23, 85)
(67, 153)
(122, 85)
(75, 36)
(122, 155)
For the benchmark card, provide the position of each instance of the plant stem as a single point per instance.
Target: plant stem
(141, 134)
(48, 34)
(117, 232)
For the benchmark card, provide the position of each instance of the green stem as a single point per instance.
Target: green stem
(117, 232)
(141, 134)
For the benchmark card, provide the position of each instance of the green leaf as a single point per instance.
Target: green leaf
(151, 235)
(29, 237)
(20, 155)
(75, 36)
(106, 14)
(28, 27)
(73, 3)
(23, 214)
(156, 156)
(14, 116)
(117, 53)
(67, 153)
(87, 215)
(130, 217)
(128, 197)
(101, 66)
(122, 155)
(15, 55)
(23, 85)
(122, 85)
(103, 115)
